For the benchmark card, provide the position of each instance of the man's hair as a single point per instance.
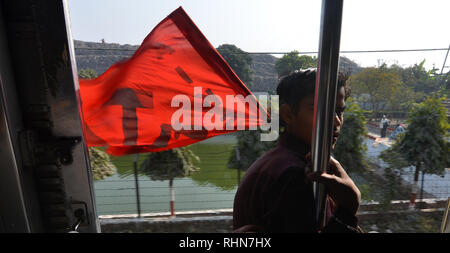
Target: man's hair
(302, 83)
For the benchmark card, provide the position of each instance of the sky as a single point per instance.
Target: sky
(280, 25)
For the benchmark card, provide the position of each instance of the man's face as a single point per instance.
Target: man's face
(301, 123)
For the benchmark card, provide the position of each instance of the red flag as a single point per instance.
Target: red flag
(129, 107)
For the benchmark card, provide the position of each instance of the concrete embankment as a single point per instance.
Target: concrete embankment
(221, 221)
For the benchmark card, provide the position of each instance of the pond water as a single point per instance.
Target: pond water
(212, 187)
(116, 195)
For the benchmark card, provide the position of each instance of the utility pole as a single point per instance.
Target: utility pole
(421, 191)
(445, 60)
(136, 181)
(238, 159)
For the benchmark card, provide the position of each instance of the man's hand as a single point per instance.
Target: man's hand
(339, 185)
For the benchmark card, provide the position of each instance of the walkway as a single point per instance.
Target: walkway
(434, 186)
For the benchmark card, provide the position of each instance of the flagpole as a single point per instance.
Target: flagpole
(325, 96)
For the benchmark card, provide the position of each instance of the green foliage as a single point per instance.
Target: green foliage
(170, 164)
(383, 87)
(350, 149)
(420, 80)
(101, 164)
(380, 188)
(425, 142)
(405, 222)
(239, 61)
(292, 61)
(390, 190)
(87, 73)
(250, 148)
(396, 88)
(444, 83)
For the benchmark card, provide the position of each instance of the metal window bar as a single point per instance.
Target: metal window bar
(325, 95)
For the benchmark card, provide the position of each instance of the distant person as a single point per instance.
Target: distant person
(398, 130)
(383, 126)
(276, 193)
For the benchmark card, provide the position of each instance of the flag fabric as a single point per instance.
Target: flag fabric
(129, 107)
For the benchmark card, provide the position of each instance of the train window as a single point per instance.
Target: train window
(387, 70)
(92, 144)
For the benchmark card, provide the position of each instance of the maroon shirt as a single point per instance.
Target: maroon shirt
(276, 196)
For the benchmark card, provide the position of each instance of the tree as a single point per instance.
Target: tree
(419, 79)
(392, 188)
(168, 165)
(101, 164)
(444, 82)
(292, 61)
(380, 87)
(424, 144)
(350, 149)
(239, 61)
(87, 73)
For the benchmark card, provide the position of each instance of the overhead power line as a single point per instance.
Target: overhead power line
(306, 52)
(105, 49)
(363, 51)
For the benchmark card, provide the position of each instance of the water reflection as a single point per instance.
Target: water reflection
(213, 187)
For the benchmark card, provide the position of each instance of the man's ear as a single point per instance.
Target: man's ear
(286, 113)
